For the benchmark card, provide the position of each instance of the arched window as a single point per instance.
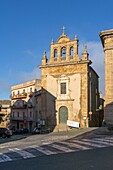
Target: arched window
(55, 54)
(63, 53)
(71, 52)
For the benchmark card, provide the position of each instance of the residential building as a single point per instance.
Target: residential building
(34, 106)
(21, 115)
(5, 113)
(70, 86)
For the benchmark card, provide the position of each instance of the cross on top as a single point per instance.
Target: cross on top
(63, 30)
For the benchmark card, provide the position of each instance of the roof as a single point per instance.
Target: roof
(26, 84)
(94, 71)
(63, 38)
(5, 102)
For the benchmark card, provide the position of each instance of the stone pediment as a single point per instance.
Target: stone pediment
(63, 38)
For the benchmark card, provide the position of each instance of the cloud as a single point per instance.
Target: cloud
(21, 77)
(28, 52)
(4, 89)
(96, 55)
(27, 76)
(4, 85)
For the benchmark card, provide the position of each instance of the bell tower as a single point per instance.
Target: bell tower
(107, 42)
(64, 50)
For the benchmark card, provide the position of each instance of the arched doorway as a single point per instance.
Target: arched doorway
(63, 115)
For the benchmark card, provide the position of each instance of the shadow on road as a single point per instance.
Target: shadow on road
(13, 138)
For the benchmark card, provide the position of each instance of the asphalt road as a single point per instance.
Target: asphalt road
(82, 151)
(96, 159)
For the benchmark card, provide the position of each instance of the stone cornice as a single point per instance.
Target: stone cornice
(65, 99)
(65, 64)
(25, 85)
(105, 34)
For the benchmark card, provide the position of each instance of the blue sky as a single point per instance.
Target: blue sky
(28, 26)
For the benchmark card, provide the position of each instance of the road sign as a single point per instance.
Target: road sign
(25, 121)
(90, 113)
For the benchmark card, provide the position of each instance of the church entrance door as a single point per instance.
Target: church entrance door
(63, 115)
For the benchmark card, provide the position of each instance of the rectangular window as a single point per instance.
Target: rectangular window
(13, 115)
(63, 88)
(17, 114)
(21, 126)
(24, 115)
(96, 98)
(30, 114)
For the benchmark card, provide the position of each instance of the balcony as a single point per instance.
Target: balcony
(30, 119)
(18, 96)
(17, 118)
(29, 105)
(19, 106)
(22, 118)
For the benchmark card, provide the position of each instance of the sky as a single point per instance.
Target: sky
(28, 26)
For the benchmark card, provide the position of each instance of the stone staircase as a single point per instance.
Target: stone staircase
(61, 127)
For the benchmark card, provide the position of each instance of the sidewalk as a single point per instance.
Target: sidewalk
(74, 132)
(93, 131)
(58, 136)
(103, 131)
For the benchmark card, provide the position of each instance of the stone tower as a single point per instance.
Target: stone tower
(107, 42)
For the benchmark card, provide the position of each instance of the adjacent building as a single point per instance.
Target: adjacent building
(5, 113)
(70, 86)
(34, 106)
(107, 42)
(22, 113)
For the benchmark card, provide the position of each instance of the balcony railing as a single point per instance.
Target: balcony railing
(22, 118)
(18, 96)
(17, 118)
(30, 119)
(24, 106)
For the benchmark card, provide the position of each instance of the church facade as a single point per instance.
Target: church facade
(70, 86)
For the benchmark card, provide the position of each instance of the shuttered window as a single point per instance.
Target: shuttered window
(63, 88)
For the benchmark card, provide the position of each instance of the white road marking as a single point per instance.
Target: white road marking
(104, 143)
(82, 144)
(45, 151)
(62, 148)
(89, 143)
(4, 158)
(76, 145)
(24, 154)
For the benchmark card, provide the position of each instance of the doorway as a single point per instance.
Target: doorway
(63, 115)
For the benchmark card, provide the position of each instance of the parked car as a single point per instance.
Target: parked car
(36, 130)
(25, 130)
(18, 131)
(5, 132)
(110, 127)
